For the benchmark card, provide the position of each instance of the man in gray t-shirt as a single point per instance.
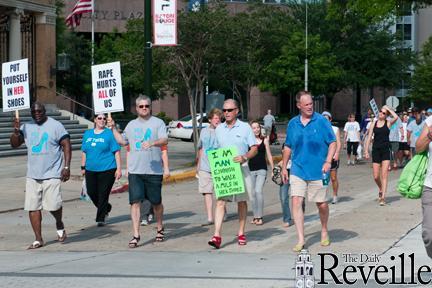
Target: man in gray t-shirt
(145, 136)
(48, 146)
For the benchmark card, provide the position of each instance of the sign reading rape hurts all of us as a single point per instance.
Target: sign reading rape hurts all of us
(107, 88)
(227, 175)
(15, 85)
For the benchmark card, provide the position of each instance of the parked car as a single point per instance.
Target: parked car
(183, 129)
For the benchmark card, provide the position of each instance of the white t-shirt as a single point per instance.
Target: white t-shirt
(403, 139)
(352, 128)
(415, 130)
(428, 180)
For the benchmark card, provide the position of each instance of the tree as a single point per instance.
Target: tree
(421, 84)
(200, 34)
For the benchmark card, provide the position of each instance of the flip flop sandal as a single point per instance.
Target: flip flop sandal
(36, 244)
(241, 239)
(259, 221)
(160, 237)
(133, 243)
(61, 235)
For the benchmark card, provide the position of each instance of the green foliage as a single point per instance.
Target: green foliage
(162, 115)
(421, 84)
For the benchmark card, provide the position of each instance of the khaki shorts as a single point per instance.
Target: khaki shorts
(315, 190)
(43, 194)
(248, 184)
(205, 183)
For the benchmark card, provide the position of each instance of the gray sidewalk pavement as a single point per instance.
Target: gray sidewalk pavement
(100, 256)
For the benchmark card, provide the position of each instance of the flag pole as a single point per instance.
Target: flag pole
(92, 33)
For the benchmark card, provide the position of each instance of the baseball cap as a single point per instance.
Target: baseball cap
(429, 110)
(326, 113)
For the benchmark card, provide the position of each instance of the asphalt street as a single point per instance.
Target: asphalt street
(93, 255)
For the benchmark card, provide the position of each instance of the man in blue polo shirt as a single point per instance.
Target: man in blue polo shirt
(311, 144)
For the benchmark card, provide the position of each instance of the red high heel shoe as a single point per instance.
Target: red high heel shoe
(215, 242)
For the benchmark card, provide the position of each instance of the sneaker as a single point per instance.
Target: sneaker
(335, 200)
(150, 218)
(348, 162)
(144, 222)
(101, 224)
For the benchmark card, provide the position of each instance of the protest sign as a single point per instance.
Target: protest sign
(374, 107)
(107, 88)
(164, 22)
(15, 85)
(227, 175)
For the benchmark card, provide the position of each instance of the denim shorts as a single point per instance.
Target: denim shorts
(145, 186)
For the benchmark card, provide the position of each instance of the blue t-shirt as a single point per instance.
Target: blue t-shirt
(309, 146)
(99, 149)
(207, 142)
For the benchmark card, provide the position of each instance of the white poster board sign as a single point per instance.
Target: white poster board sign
(15, 85)
(107, 88)
(164, 22)
(374, 107)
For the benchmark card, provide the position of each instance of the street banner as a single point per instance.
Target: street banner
(164, 22)
(374, 107)
(107, 88)
(15, 85)
(227, 175)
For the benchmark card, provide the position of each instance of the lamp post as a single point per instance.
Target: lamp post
(306, 75)
(147, 49)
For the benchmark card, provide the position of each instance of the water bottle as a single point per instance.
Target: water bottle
(325, 179)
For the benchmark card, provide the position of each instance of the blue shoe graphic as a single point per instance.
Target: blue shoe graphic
(38, 148)
(147, 135)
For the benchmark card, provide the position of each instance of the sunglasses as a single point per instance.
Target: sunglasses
(228, 110)
(142, 106)
(101, 118)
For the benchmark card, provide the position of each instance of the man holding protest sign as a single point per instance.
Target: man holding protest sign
(145, 136)
(237, 136)
(311, 144)
(46, 140)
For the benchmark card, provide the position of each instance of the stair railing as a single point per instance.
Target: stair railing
(76, 102)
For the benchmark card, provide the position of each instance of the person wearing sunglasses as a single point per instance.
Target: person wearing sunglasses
(49, 155)
(380, 131)
(101, 165)
(234, 132)
(145, 136)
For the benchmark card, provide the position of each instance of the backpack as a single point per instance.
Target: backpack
(411, 180)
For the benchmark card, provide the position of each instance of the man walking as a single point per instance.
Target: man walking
(311, 144)
(49, 156)
(269, 121)
(239, 134)
(145, 136)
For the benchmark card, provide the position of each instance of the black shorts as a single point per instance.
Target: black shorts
(403, 146)
(380, 154)
(334, 165)
(145, 186)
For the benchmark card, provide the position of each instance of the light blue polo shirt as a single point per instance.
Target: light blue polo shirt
(239, 135)
(309, 146)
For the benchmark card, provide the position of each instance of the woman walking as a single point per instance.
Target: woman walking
(380, 130)
(351, 138)
(100, 163)
(206, 143)
(258, 168)
(335, 161)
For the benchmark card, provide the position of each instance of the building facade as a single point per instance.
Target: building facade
(27, 30)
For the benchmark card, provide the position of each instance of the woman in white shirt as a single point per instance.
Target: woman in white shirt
(424, 143)
(351, 138)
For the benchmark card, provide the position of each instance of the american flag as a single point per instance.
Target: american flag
(82, 6)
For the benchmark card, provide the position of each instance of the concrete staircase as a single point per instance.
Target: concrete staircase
(75, 129)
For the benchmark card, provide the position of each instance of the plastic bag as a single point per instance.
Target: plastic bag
(84, 196)
(359, 152)
(412, 178)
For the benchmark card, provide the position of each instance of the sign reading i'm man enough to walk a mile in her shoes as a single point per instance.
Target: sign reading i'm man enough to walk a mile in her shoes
(227, 175)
